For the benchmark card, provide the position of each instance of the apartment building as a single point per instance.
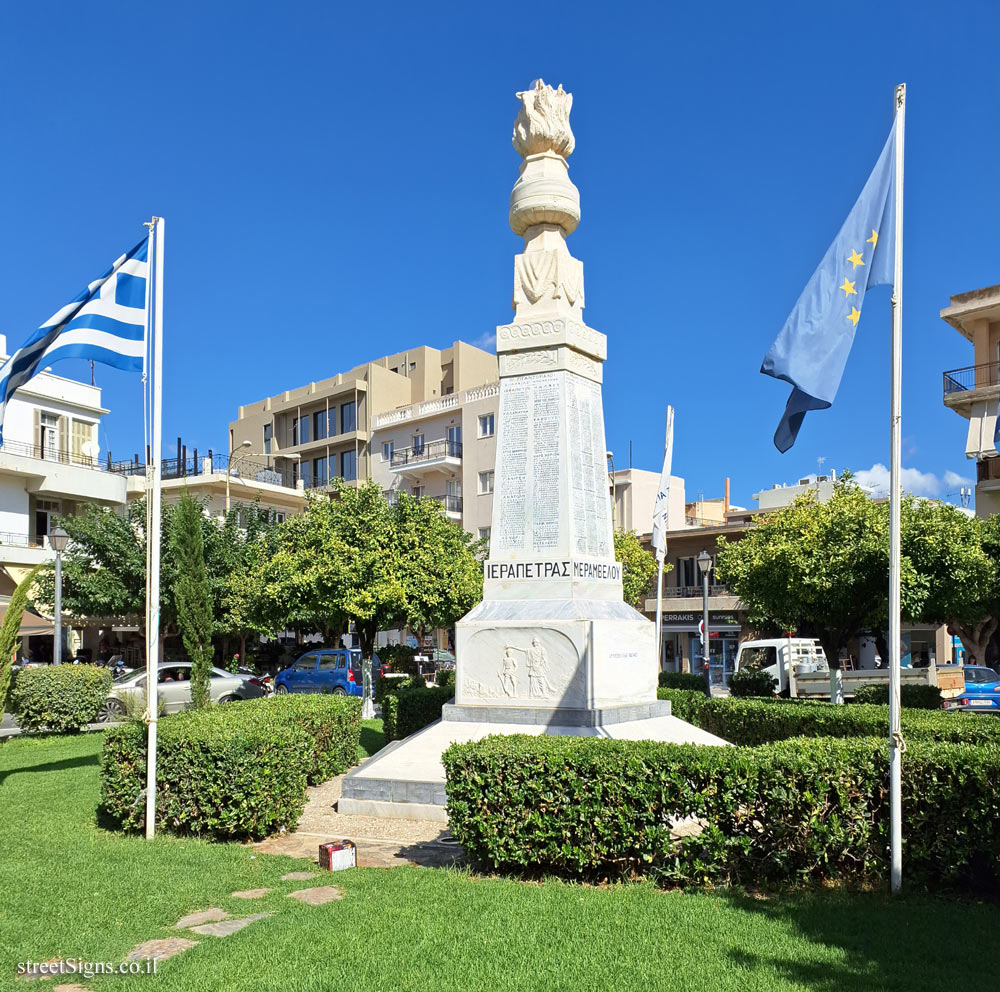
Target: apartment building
(328, 426)
(973, 392)
(50, 466)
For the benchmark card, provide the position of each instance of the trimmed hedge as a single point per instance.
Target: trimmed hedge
(762, 721)
(445, 677)
(332, 725)
(412, 707)
(59, 698)
(750, 683)
(217, 776)
(920, 697)
(798, 811)
(682, 680)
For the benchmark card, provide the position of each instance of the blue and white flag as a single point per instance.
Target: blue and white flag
(106, 323)
(811, 350)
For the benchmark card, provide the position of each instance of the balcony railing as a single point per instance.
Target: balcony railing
(49, 454)
(973, 377)
(452, 504)
(249, 469)
(19, 540)
(690, 592)
(439, 405)
(429, 451)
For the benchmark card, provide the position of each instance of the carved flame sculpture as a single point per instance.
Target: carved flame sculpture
(543, 122)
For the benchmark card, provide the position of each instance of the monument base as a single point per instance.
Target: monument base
(406, 779)
(560, 716)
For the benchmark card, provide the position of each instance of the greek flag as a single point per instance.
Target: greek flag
(106, 323)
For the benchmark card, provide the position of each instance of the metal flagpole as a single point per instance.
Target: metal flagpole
(153, 530)
(896, 744)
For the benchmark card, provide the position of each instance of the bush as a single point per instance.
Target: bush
(682, 680)
(59, 698)
(797, 811)
(762, 721)
(398, 658)
(750, 682)
(332, 725)
(390, 716)
(411, 708)
(445, 677)
(919, 697)
(216, 775)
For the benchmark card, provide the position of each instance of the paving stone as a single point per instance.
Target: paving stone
(228, 927)
(298, 876)
(251, 893)
(202, 916)
(72, 987)
(318, 895)
(161, 949)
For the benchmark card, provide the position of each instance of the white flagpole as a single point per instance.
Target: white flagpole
(668, 456)
(895, 732)
(153, 530)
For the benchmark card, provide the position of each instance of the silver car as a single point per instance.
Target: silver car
(173, 689)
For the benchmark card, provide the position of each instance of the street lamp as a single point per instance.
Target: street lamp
(58, 540)
(705, 565)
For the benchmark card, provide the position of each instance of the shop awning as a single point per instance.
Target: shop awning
(31, 625)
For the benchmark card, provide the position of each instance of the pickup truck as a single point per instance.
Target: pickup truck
(799, 667)
(339, 671)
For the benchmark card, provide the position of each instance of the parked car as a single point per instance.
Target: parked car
(267, 681)
(173, 688)
(981, 692)
(333, 671)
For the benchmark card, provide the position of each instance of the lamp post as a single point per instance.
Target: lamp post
(705, 565)
(58, 540)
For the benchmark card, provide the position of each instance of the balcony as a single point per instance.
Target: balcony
(689, 598)
(49, 471)
(442, 456)
(430, 408)
(963, 387)
(686, 592)
(452, 506)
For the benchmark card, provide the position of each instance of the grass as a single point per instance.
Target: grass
(72, 889)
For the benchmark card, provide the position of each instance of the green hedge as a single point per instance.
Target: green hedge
(921, 697)
(219, 773)
(682, 680)
(411, 708)
(445, 677)
(390, 715)
(332, 725)
(59, 698)
(798, 811)
(762, 721)
(749, 683)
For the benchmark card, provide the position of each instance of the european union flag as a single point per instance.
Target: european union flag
(811, 350)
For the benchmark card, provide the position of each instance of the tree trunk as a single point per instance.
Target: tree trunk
(975, 638)
(243, 648)
(366, 634)
(831, 648)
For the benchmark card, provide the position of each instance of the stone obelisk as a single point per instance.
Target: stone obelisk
(552, 642)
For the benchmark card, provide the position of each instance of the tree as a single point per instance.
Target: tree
(440, 564)
(638, 566)
(193, 596)
(957, 559)
(9, 630)
(821, 569)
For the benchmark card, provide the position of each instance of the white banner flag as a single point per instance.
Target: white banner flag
(662, 506)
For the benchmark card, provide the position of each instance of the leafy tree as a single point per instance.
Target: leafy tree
(821, 569)
(193, 595)
(9, 630)
(957, 558)
(638, 566)
(440, 564)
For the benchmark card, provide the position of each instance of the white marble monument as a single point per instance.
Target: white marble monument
(552, 648)
(552, 641)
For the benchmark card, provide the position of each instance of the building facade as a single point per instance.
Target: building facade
(973, 392)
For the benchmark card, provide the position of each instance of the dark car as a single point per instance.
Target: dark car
(336, 671)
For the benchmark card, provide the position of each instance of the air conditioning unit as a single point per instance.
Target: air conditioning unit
(804, 482)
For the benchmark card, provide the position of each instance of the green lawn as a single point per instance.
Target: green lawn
(71, 889)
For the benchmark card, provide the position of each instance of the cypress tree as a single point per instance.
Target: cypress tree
(193, 596)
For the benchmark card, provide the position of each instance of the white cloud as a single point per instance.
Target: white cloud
(876, 479)
(487, 341)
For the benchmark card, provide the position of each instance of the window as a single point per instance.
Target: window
(417, 491)
(319, 425)
(327, 661)
(413, 365)
(84, 443)
(418, 444)
(319, 472)
(387, 449)
(268, 429)
(348, 418)
(757, 658)
(306, 663)
(45, 509)
(486, 422)
(485, 482)
(48, 436)
(331, 422)
(484, 533)
(305, 469)
(349, 466)
(455, 441)
(279, 518)
(303, 431)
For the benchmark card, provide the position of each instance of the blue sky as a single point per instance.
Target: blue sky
(335, 180)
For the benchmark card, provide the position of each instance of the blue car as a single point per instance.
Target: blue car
(338, 672)
(981, 692)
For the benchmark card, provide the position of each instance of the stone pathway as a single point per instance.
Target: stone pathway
(382, 842)
(251, 894)
(318, 895)
(226, 928)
